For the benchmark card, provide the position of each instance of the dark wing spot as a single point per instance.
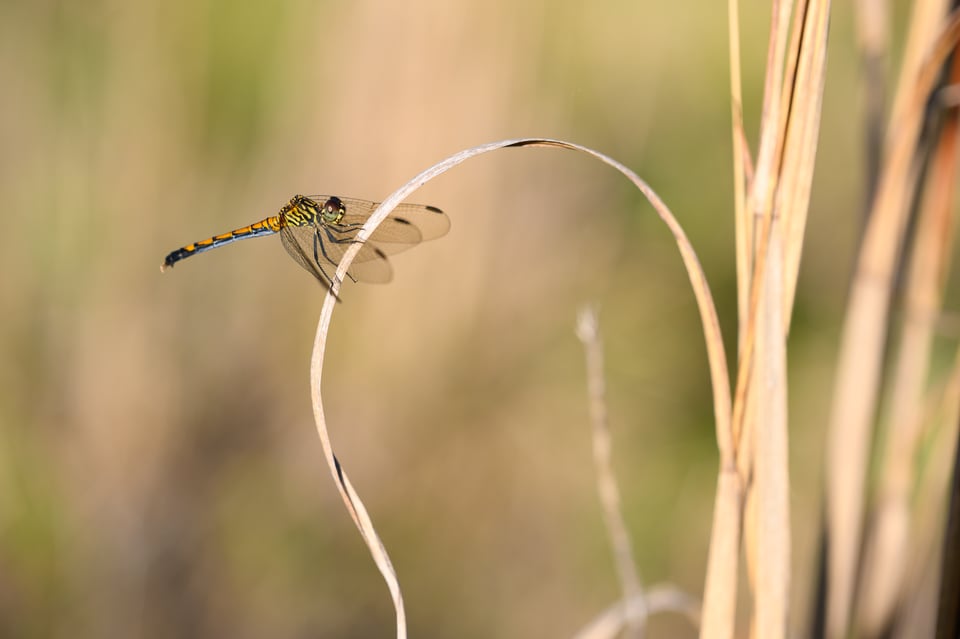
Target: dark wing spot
(380, 253)
(433, 209)
(402, 221)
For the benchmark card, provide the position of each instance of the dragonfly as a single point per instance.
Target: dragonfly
(316, 231)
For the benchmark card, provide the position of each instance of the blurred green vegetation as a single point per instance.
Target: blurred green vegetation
(159, 471)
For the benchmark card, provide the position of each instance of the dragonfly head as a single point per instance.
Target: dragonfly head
(333, 210)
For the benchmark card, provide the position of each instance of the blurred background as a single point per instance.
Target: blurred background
(160, 473)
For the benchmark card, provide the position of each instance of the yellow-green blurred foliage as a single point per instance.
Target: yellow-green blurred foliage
(159, 469)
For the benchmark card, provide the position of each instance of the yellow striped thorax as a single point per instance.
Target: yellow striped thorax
(302, 211)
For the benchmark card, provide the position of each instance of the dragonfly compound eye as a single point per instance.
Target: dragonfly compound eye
(333, 210)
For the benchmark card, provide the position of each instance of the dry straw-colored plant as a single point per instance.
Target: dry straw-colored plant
(751, 426)
(914, 174)
(771, 201)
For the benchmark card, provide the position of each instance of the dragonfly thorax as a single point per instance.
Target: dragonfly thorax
(304, 211)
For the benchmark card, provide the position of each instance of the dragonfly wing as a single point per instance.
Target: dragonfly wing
(319, 250)
(431, 221)
(392, 236)
(371, 265)
(292, 242)
(406, 226)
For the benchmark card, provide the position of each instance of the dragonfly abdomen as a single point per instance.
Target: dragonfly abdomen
(268, 226)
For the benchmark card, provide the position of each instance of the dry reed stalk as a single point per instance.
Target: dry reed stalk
(948, 605)
(778, 201)
(873, 38)
(800, 141)
(720, 587)
(924, 26)
(797, 142)
(888, 537)
(771, 474)
(864, 333)
(948, 608)
(921, 575)
(741, 154)
(708, 316)
(720, 597)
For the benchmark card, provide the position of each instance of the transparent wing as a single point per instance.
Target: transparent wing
(296, 251)
(319, 249)
(406, 226)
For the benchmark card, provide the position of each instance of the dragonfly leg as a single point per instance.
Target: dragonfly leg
(341, 240)
(316, 257)
(318, 243)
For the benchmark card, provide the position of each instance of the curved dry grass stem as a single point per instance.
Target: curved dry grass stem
(588, 331)
(708, 317)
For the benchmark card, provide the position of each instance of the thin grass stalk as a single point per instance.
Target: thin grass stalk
(763, 185)
(925, 24)
(720, 587)
(796, 148)
(716, 356)
(752, 242)
(888, 538)
(743, 226)
(948, 608)
(786, 96)
(762, 189)
(936, 489)
(746, 408)
(658, 598)
(916, 613)
(351, 499)
(872, 24)
(788, 170)
(771, 478)
(766, 190)
(801, 136)
(743, 408)
(588, 331)
(948, 604)
(864, 333)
